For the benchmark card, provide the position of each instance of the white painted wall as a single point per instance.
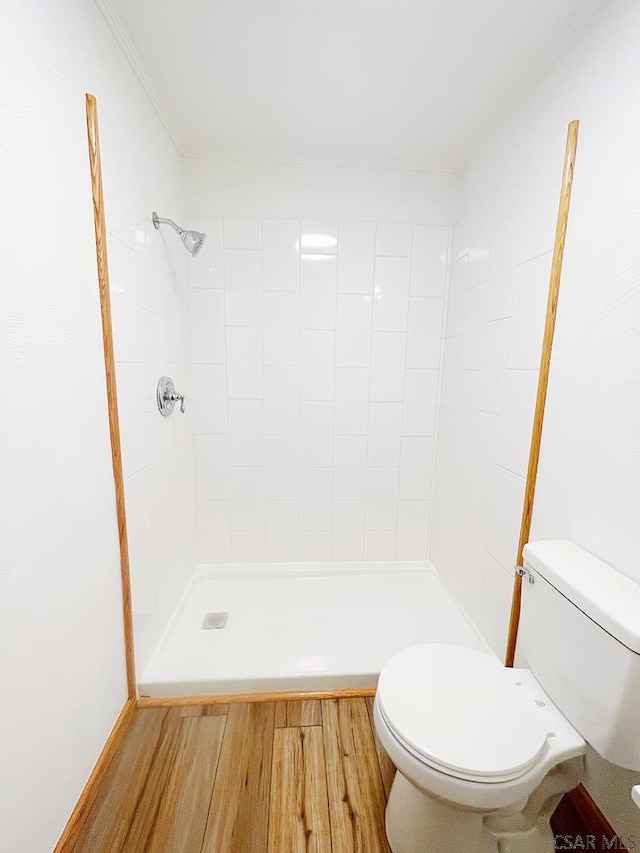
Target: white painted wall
(315, 342)
(61, 646)
(589, 484)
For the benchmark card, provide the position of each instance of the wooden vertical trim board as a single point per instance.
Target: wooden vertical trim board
(592, 817)
(87, 797)
(110, 373)
(543, 378)
(238, 698)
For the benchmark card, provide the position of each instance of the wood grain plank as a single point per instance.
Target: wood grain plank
(356, 796)
(299, 811)
(182, 817)
(215, 710)
(148, 808)
(304, 713)
(281, 715)
(387, 767)
(203, 710)
(107, 824)
(239, 811)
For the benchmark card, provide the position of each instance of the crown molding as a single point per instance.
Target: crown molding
(138, 67)
(232, 155)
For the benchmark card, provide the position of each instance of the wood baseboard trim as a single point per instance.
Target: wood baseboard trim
(75, 823)
(593, 818)
(285, 696)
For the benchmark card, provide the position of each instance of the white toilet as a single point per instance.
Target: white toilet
(485, 753)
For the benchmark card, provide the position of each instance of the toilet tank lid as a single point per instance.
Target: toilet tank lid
(603, 593)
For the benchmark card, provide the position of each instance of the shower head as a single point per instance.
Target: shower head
(192, 240)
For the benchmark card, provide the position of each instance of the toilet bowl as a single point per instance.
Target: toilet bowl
(482, 753)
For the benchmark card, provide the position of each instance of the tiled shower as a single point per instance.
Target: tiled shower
(315, 353)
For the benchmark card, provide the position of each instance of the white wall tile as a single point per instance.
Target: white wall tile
(529, 311)
(413, 530)
(206, 309)
(214, 531)
(457, 297)
(209, 271)
(479, 263)
(391, 294)
(506, 512)
(318, 292)
(246, 433)
(353, 331)
(387, 366)
(212, 468)
(484, 452)
(429, 261)
(281, 467)
(281, 328)
(419, 402)
(316, 435)
(393, 239)
(451, 366)
(315, 498)
(424, 336)
(243, 287)
(459, 485)
(385, 430)
(352, 401)
(516, 423)
(244, 363)
(138, 499)
(209, 398)
(473, 327)
(303, 396)
(416, 463)
(476, 538)
(496, 606)
(495, 345)
(281, 400)
(356, 257)
(347, 539)
(248, 546)
(466, 406)
(504, 257)
(281, 534)
(382, 499)
(242, 234)
(280, 254)
(380, 545)
(349, 467)
(247, 499)
(317, 365)
(319, 238)
(314, 546)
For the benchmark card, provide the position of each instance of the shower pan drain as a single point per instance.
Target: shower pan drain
(215, 621)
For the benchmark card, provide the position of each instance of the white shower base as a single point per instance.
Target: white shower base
(300, 627)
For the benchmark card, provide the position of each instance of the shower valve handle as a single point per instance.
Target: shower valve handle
(167, 396)
(173, 397)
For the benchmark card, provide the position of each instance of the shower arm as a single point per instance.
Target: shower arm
(160, 220)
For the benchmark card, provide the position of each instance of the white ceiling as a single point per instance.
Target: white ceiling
(402, 82)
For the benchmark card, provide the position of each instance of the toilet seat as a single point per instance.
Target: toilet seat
(460, 711)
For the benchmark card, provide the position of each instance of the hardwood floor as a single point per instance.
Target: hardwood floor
(268, 777)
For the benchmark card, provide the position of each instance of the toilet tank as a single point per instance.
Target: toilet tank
(580, 636)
